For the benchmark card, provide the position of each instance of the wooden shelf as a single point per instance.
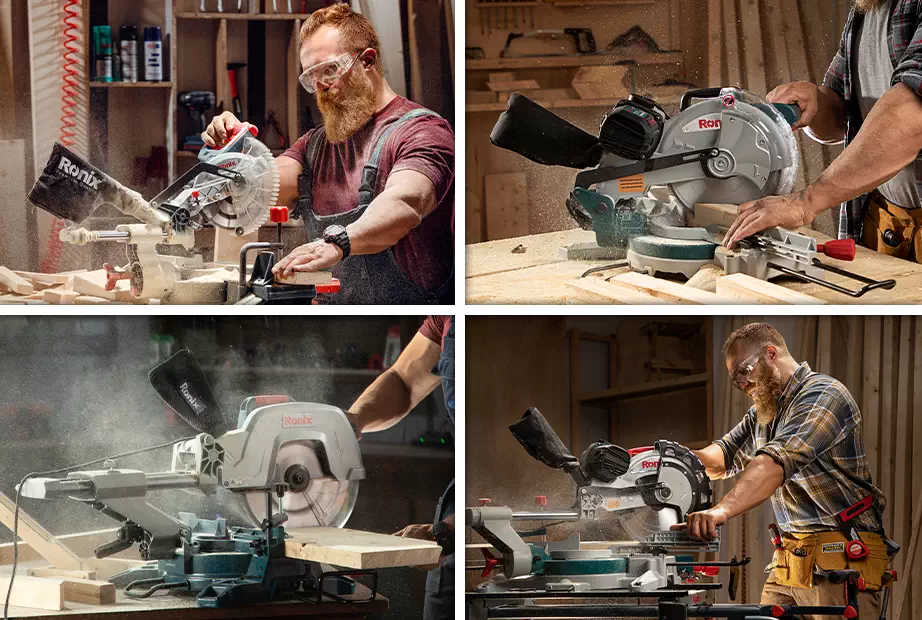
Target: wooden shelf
(645, 389)
(578, 60)
(246, 16)
(561, 104)
(505, 4)
(131, 84)
(583, 3)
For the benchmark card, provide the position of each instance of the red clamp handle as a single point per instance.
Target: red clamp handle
(332, 287)
(490, 563)
(840, 249)
(278, 215)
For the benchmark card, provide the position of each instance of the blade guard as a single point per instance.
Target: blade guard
(234, 144)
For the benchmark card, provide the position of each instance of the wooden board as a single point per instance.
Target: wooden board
(506, 205)
(59, 296)
(227, 244)
(38, 537)
(94, 283)
(668, 290)
(33, 592)
(15, 283)
(81, 543)
(88, 591)
(601, 82)
(747, 289)
(513, 85)
(307, 277)
(598, 291)
(355, 549)
(62, 573)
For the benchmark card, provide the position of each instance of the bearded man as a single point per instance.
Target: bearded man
(375, 183)
(801, 445)
(871, 98)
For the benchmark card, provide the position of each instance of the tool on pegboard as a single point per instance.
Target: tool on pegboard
(505, 14)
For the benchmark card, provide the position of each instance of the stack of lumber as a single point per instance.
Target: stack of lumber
(75, 287)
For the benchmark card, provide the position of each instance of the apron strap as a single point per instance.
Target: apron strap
(370, 171)
(306, 179)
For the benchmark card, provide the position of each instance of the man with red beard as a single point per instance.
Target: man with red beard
(801, 445)
(375, 183)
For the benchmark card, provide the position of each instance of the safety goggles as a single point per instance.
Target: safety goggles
(740, 375)
(327, 72)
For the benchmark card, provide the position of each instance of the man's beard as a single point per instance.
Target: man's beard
(768, 387)
(864, 6)
(349, 108)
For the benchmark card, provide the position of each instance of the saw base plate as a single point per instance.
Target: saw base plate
(651, 265)
(589, 250)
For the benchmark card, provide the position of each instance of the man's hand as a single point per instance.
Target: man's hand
(421, 532)
(805, 94)
(312, 256)
(791, 212)
(220, 129)
(703, 525)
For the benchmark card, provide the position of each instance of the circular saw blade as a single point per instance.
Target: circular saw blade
(326, 501)
(247, 206)
(640, 523)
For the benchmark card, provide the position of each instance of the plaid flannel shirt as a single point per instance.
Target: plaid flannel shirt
(905, 44)
(816, 438)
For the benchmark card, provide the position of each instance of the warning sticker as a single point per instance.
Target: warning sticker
(632, 184)
(834, 547)
(613, 504)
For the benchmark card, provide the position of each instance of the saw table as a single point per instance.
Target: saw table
(529, 270)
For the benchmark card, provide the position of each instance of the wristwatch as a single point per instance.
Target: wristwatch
(338, 236)
(445, 536)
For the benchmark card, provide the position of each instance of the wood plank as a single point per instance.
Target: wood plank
(47, 279)
(356, 549)
(307, 278)
(705, 279)
(731, 44)
(668, 290)
(106, 567)
(513, 85)
(33, 592)
(902, 499)
(644, 389)
(715, 44)
(15, 283)
(59, 296)
(598, 291)
(581, 60)
(61, 573)
(609, 82)
(746, 289)
(94, 283)
(506, 205)
(870, 406)
(752, 46)
(88, 591)
(887, 378)
(37, 536)
(227, 244)
(81, 543)
(707, 214)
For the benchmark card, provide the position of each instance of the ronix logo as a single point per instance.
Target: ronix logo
(649, 464)
(197, 405)
(297, 420)
(87, 177)
(708, 122)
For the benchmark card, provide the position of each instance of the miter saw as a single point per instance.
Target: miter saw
(233, 187)
(644, 173)
(287, 464)
(646, 491)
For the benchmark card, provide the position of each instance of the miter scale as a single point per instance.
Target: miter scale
(287, 464)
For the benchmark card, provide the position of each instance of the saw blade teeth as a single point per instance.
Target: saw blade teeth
(263, 216)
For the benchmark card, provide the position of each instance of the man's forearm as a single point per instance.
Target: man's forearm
(761, 477)
(889, 140)
(712, 457)
(384, 403)
(829, 123)
(384, 223)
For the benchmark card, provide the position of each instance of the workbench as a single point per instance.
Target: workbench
(536, 274)
(170, 606)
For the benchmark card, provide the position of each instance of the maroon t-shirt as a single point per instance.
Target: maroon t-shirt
(425, 144)
(435, 328)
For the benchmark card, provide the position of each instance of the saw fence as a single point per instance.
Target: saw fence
(879, 359)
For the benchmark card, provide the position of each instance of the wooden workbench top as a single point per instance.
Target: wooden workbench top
(537, 274)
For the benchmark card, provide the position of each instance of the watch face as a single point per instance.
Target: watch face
(334, 230)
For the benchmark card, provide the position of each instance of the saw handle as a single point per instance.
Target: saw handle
(840, 249)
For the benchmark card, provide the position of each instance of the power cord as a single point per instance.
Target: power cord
(63, 470)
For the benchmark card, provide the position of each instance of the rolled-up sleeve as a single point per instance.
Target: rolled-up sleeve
(909, 69)
(737, 445)
(821, 418)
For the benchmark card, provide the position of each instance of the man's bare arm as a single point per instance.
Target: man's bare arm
(712, 458)
(408, 197)
(399, 388)
(289, 170)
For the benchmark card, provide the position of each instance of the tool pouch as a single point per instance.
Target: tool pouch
(888, 229)
(916, 253)
(795, 564)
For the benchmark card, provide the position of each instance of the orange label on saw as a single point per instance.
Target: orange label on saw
(631, 184)
(613, 504)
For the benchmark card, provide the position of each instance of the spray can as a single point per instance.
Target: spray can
(128, 36)
(102, 45)
(153, 54)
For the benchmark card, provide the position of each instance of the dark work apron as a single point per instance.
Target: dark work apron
(366, 278)
(440, 582)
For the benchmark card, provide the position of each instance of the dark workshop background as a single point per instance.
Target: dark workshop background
(135, 131)
(76, 388)
(753, 44)
(633, 380)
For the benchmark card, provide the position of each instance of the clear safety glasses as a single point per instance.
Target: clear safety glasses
(327, 72)
(740, 375)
